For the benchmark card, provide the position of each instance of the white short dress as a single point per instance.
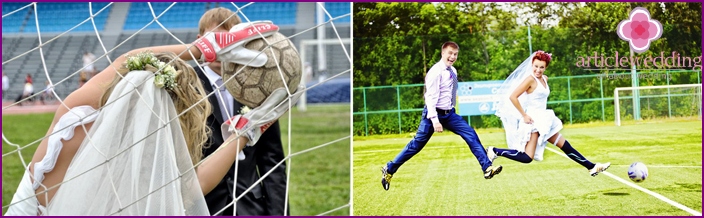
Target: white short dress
(133, 161)
(24, 202)
(544, 121)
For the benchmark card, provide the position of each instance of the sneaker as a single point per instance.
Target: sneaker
(492, 171)
(491, 154)
(598, 168)
(385, 178)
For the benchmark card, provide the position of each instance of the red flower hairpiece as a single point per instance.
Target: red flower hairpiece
(543, 52)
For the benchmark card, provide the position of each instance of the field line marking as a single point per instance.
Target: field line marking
(401, 148)
(656, 195)
(659, 166)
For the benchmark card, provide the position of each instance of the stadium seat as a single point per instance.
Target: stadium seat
(337, 9)
(60, 17)
(281, 13)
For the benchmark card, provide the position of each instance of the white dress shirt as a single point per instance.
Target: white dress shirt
(226, 99)
(438, 90)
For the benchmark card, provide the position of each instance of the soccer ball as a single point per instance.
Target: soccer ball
(252, 85)
(637, 172)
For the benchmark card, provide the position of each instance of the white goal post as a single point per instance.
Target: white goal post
(617, 109)
(303, 51)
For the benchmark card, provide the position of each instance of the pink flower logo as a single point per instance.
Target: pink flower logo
(639, 30)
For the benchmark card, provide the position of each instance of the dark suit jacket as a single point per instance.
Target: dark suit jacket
(266, 198)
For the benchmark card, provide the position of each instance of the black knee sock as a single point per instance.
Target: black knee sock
(513, 155)
(576, 156)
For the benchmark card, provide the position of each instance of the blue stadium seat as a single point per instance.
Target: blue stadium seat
(337, 9)
(281, 13)
(187, 14)
(180, 15)
(13, 22)
(60, 17)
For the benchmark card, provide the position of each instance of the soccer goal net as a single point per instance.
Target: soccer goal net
(324, 63)
(653, 102)
(47, 41)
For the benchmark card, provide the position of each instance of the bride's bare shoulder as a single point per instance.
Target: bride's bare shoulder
(89, 95)
(529, 80)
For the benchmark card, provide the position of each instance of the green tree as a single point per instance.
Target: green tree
(396, 43)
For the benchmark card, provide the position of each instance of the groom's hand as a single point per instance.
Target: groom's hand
(437, 126)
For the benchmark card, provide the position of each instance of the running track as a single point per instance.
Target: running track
(29, 108)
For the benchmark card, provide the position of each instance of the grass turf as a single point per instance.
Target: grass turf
(320, 174)
(446, 179)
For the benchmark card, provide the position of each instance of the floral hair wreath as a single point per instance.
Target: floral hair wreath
(164, 74)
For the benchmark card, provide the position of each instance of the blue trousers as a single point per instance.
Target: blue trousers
(451, 122)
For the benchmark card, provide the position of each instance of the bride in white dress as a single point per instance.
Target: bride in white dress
(126, 143)
(528, 124)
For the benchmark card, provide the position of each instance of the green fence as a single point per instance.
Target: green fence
(575, 99)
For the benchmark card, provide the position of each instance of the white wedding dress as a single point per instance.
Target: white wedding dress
(544, 121)
(134, 160)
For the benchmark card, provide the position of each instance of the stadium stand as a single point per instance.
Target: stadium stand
(54, 17)
(337, 9)
(63, 55)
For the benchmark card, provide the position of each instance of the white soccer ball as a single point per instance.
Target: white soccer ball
(637, 172)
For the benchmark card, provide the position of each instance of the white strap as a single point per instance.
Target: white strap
(557, 139)
(75, 117)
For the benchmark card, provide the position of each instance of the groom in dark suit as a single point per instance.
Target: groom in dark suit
(267, 197)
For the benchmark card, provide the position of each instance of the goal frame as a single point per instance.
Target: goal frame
(302, 48)
(617, 105)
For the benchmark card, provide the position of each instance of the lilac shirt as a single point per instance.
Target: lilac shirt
(438, 90)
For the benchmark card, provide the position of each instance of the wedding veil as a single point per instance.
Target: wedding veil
(134, 160)
(509, 114)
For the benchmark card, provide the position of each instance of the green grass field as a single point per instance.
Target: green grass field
(446, 179)
(320, 174)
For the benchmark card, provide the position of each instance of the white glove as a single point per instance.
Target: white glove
(255, 122)
(229, 46)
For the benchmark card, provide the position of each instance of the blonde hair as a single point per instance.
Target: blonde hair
(218, 16)
(188, 92)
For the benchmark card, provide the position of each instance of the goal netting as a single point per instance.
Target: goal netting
(657, 102)
(42, 40)
(314, 53)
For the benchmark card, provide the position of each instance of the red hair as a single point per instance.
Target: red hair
(542, 56)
